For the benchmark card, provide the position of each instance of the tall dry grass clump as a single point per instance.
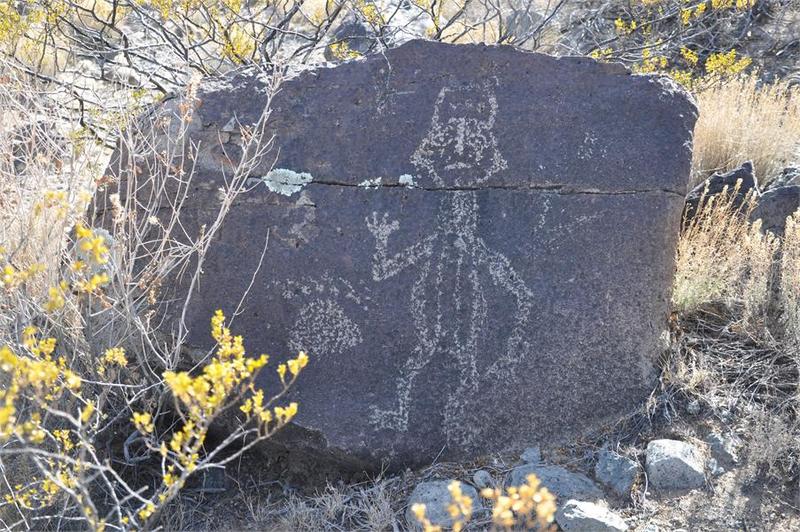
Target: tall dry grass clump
(790, 284)
(722, 258)
(744, 119)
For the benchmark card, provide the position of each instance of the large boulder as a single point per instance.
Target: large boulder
(474, 244)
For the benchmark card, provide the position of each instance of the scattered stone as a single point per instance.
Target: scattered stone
(724, 447)
(714, 469)
(532, 455)
(583, 516)
(561, 482)
(397, 293)
(789, 176)
(617, 472)
(482, 479)
(718, 182)
(436, 498)
(674, 465)
(774, 206)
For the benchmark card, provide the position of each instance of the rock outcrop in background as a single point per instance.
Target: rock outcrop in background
(474, 244)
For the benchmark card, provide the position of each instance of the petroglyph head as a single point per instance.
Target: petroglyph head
(460, 149)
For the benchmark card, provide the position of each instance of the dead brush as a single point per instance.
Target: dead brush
(102, 422)
(735, 341)
(745, 119)
(724, 259)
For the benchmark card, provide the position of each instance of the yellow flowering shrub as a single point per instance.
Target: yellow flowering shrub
(685, 56)
(529, 505)
(86, 385)
(39, 384)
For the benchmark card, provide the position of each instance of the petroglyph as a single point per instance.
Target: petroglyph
(460, 149)
(322, 327)
(507, 282)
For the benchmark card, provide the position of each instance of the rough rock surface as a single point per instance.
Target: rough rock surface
(582, 516)
(452, 229)
(531, 455)
(774, 206)
(482, 479)
(617, 472)
(724, 447)
(562, 483)
(789, 176)
(435, 495)
(674, 465)
(718, 182)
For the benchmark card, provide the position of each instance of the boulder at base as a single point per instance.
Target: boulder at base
(474, 244)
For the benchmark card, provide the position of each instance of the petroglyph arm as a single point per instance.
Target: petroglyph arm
(385, 266)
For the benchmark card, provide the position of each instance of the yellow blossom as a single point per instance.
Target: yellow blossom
(115, 355)
(143, 422)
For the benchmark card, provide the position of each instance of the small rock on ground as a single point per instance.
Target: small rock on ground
(582, 516)
(436, 498)
(674, 465)
(724, 447)
(532, 455)
(718, 182)
(482, 479)
(617, 472)
(562, 483)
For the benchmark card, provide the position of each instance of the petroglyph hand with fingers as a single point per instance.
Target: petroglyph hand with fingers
(381, 227)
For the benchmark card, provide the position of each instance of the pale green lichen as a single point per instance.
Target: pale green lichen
(407, 180)
(286, 182)
(371, 183)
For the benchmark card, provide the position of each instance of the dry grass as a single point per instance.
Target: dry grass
(722, 258)
(744, 120)
(737, 293)
(790, 284)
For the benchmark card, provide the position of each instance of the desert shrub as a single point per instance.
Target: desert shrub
(790, 283)
(102, 421)
(723, 258)
(158, 44)
(344, 507)
(692, 42)
(741, 117)
(745, 119)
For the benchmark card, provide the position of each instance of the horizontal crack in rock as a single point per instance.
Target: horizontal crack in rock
(565, 190)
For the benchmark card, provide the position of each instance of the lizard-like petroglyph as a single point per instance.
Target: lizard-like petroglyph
(448, 298)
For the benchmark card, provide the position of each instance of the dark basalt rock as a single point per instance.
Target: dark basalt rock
(789, 176)
(719, 182)
(774, 206)
(474, 244)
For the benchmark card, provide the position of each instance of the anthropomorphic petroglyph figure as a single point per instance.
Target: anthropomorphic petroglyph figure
(448, 300)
